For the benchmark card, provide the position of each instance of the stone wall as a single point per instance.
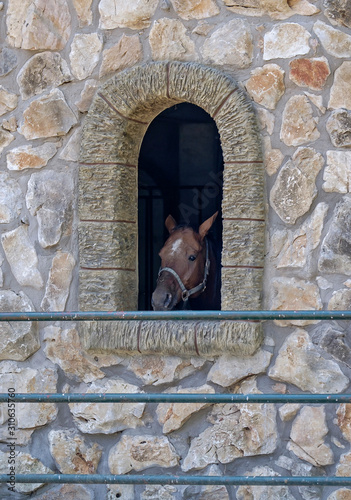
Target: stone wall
(292, 58)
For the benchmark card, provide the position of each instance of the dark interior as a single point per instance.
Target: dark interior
(180, 173)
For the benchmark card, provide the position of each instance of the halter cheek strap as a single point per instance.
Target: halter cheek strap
(199, 288)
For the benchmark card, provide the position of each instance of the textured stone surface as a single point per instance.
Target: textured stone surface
(22, 257)
(8, 61)
(71, 151)
(108, 192)
(38, 24)
(25, 464)
(5, 139)
(50, 198)
(216, 492)
(8, 101)
(336, 42)
(286, 40)
(312, 73)
(266, 85)
(30, 157)
(295, 248)
(108, 244)
(62, 347)
(261, 492)
(299, 363)
(48, 116)
(172, 337)
(58, 284)
(337, 173)
(85, 53)
(340, 96)
(338, 12)
(294, 294)
(344, 420)
(157, 370)
(231, 44)
(172, 415)
(229, 370)
(294, 189)
(72, 454)
(140, 452)
(341, 494)
(246, 297)
(242, 191)
(288, 411)
(340, 300)
(307, 436)
(84, 13)
(108, 290)
(18, 340)
(335, 255)
(26, 379)
(339, 128)
(42, 72)
(169, 41)
(121, 14)
(241, 430)
(334, 342)
(299, 126)
(94, 418)
(127, 52)
(187, 9)
(68, 492)
(86, 97)
(11, 198)
(278, 9)
(243, 242)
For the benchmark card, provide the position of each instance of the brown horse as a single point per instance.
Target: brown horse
(188, 269)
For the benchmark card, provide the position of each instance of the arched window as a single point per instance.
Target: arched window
(180, 172)
(114, 129)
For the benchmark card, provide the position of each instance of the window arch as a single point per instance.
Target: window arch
(113, 131)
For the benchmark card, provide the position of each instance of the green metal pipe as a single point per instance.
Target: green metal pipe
(175, 315)
(182, 480)
(174, 398)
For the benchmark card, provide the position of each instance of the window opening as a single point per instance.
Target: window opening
(180, 173)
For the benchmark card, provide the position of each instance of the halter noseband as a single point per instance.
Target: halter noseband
(199, 288)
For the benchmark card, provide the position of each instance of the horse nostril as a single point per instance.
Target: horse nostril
(168, 300)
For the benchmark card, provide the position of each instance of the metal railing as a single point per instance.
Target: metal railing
(185, 479)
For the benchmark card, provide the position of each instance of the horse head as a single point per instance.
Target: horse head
(185, 264)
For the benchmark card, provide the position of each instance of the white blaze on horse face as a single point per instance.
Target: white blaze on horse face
(176, 246)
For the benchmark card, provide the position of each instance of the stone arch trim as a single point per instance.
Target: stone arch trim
(113, 131)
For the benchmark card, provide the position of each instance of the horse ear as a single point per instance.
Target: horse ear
(170, 223)
(206, 226)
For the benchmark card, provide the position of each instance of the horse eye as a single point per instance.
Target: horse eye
(192, 257)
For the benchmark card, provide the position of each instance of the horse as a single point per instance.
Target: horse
(188, 274)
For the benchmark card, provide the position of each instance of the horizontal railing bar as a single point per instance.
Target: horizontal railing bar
(174, 315)
(173, 398)
(182, 480)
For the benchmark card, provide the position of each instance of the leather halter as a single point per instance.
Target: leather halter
(199, 288)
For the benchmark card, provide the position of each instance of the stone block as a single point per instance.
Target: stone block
(241, 288)
(139, 93)
(121, 14)
(102, 132)
(243, 194)
(18, 340)
(108, 192)
(108, 290)
(174, 338)
(231, 44)
(243, 243)
(168, 41)
(108, 245)
(204, 86)
(126, 53)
